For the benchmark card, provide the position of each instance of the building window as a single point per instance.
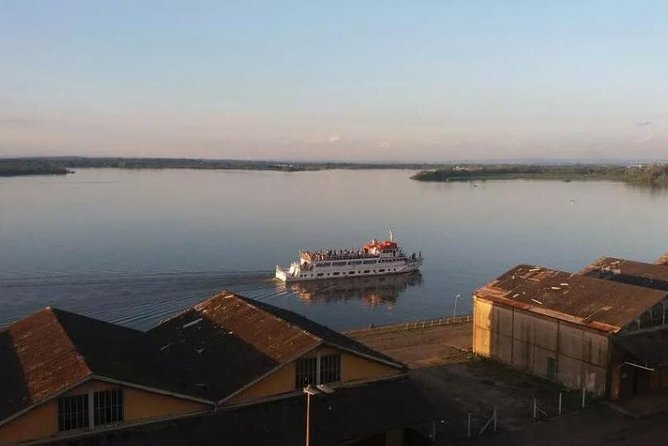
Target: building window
(108, 407)
(73, 412)
(322, 369)
(330, 369)
(306, 373)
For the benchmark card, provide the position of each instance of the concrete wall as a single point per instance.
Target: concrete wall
(540, 345)
(353, 368)
(139, 406)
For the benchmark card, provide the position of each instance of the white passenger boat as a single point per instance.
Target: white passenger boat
(373, 259)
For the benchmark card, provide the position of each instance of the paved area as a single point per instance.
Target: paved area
(421, 347)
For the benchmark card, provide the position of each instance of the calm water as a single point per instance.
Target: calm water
(136, 246)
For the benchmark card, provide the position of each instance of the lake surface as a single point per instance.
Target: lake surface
(134, 247)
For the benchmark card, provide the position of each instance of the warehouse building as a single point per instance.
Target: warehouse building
(65, 375)
(574, 329)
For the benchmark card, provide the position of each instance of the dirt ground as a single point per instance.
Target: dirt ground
(421, 347)
(459, 384)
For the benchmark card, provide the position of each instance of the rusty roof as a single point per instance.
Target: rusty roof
(228, 341)
(52, 350)
(38, 359)
(600, 304)
(628, 271)
(208, 351)
(663, 260)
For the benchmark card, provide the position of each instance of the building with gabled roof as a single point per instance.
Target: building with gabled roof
(62, 373)
(65, 375)
(240, 350)
(563, 326)
(650, 275)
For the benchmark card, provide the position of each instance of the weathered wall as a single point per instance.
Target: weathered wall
(481, 327)
(543, 346)
(139, 406)
(281, 381)
(356, 368)
(353, 368)
(40, 422)
(143, 406)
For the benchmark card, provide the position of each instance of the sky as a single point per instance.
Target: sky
(358, 80)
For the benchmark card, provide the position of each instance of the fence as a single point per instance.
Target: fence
(413, 325)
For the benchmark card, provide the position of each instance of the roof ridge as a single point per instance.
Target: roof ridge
(80, 357)
(378, 355)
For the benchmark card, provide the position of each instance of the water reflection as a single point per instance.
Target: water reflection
(372, 291)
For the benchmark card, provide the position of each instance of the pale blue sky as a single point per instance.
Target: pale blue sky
(360, 80)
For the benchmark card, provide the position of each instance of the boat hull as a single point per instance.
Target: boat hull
(344, 272)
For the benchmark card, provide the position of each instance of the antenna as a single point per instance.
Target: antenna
(391, 236)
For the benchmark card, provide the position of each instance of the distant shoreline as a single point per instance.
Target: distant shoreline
(63, 165)
(645, 174)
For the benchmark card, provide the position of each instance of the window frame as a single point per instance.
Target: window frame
(90, 411)
(329, 373)
(115, 413)
(73, 412)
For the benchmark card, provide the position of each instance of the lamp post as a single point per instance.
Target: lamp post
(310, 391)
(454, 312)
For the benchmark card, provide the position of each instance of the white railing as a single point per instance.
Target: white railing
(414, 325)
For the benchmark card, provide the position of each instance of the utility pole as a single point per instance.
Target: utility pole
(308, 417)
(310, 391)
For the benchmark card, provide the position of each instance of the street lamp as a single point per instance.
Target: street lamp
(454, 312)
(310, 391)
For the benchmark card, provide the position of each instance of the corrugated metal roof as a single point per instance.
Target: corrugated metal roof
(600, 304)
(53, 350)
(628, 271)
(37, 359)
(208, 351)
(228, 341)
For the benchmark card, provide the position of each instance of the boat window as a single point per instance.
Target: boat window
(370, 262)
(381, 270)
(366, 271)
(335, 274)
(351, 272)
(356, 262)
(325, 264)
(320, 274)
(339, 263)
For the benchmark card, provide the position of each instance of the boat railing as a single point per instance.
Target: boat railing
(318, 257)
